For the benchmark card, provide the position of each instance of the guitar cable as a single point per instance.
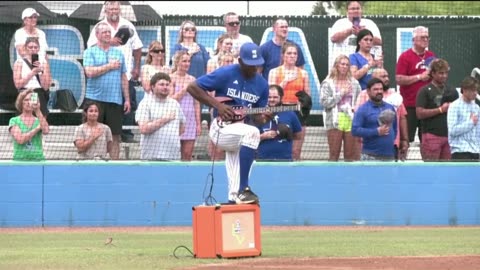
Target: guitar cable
(209, 199)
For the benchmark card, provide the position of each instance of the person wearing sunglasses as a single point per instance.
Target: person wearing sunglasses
(154, 63)
(30, 29)
(232, 26)
(187, 41)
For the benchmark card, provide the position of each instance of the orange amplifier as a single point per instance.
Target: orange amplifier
(226, 231)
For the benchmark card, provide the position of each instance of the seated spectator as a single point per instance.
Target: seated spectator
(463, 126)
(338, 94)
(92, 138)
(292, 79)
(161, 122)
(33, 72)
(363, 62)
(224, 45)
(154, 63)
(190, 106)
(187, 41)
(375, 123)
(278, 134)
(26, 129)
(30, 29)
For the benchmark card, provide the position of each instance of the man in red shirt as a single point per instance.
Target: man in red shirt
(412, 73)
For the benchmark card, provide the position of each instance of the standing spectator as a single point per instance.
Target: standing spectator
(272, 50)
(30, 29)
(277, 135)
(412, 74)
(375, 122)
(106, 73)
(189, 106)
(232, 25)
(154, 63)
(126, 38)
(247, 88)
(26, 129)
(463, 126)
(344, 31)
(363, 63)
(224, 45)
(33, 73)
(161, 122)
(391, 96)
(187, 41)
(93, 140)
(432, 105)
(338, 94)
(292, 79)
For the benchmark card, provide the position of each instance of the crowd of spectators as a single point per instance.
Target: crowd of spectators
(372, 120)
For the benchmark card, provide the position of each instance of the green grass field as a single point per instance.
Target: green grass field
(154, 249)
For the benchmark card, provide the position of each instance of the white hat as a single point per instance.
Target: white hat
(29, 12)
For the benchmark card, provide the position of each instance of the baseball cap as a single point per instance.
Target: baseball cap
(250, 54)
(29, 12)
(124, 33)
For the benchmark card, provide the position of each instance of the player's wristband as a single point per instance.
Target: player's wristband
(440, 109)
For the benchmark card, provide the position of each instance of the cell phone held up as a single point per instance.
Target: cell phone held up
(34, 98)
(356, 21)
(34, 58)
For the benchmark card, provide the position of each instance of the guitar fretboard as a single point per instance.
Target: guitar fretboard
(272, 109)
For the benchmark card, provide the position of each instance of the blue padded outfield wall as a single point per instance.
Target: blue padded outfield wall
(306, 193)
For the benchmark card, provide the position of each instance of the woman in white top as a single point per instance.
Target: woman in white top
(154, 63)
(338, 93)
(29, 29)
(33, 73)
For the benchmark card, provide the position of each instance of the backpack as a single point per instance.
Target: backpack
(65, 100)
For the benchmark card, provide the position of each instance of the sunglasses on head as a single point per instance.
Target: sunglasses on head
(233, 23)
(186, 29)
(158, 50)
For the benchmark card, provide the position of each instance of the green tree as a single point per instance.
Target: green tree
(419, 8)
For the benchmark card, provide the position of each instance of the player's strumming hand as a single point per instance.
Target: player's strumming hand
(225, 112)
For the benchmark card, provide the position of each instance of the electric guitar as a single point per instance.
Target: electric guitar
(241, 111)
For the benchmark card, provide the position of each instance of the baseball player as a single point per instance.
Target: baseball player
(244, 87)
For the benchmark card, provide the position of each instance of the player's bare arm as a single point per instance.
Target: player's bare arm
(225, 112)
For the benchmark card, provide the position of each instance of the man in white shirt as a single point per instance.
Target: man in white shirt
(232, 25)
(131, 46)
(344, 32)
(161, 122)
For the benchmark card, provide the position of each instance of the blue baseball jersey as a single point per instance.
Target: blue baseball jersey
(277, 148)
(228, 81)
(272, 54)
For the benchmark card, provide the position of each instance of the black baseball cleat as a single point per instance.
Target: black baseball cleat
(246, 197)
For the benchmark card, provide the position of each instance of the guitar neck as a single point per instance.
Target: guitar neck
(272, 109)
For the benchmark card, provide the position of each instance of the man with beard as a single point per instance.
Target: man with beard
(124, 37)
(391, 96)
(161, 122)
(244, 87)
(277, 135)
(432, 105)
(375, 123)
